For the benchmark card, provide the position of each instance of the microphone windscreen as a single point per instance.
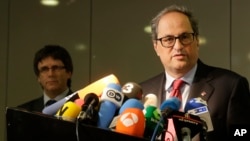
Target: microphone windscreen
(79, 102)
(131, 122)
(113, 93)
(168, 106)
(106, 113)
(95, 87)
(198, 106)
(132, 90)
(88, 114)
(194, 103)
(69, 111)
(98, 86)
(111, 99)
(152, 115)
(91, 98)
(150, 99)
(172, 103)
(52, 109)
(131, 103)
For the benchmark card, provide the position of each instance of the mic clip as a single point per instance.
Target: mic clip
(88, 116)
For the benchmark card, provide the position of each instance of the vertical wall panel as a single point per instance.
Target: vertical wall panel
(3, 64)
(240, 37)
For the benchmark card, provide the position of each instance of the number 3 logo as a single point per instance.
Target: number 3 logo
(127, 88)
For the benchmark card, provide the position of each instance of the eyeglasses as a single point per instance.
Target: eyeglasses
(169, 41)
(45, 70)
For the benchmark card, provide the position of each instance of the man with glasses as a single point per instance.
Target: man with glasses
(175, 41)
(53, 67)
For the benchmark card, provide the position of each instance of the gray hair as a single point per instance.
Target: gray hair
(173, 8)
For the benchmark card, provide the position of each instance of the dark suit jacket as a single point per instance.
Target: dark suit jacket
(37, 104)
(227, 96)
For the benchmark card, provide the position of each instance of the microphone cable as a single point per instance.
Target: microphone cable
(156, 128)
(89, 110)
(77, 130)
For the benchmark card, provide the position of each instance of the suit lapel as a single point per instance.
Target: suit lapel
(201, 86)
(201, 89)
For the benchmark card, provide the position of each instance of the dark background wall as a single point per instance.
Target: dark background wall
(107, 37)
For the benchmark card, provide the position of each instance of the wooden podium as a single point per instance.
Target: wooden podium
(29, 126)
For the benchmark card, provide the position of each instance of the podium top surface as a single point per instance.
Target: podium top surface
(31, 126)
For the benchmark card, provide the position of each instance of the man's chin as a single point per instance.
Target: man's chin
(53, 89)
(181, 65)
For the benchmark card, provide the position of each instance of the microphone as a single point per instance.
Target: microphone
(131, 120)
(132, 90)
(79, 102)
(198, 106)
(184, 126)
(88, 114)
(150, 99)
(170, 105)
(131, 103)
(111, 100)
(95, 87)
(167, 108)
(152, 116)
(68, 111)
(53, 108)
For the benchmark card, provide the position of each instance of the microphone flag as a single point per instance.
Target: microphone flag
(131, 122)
(179, 120)
(69, 111)
(152, 116)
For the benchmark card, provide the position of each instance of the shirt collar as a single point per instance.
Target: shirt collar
(188, 78)
(62, 95)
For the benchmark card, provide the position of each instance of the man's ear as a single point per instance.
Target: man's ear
(69, 74)
(155, 47)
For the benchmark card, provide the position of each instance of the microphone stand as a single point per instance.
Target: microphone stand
(203, 133)
(165, 114)
(186, 134)
(163, 134)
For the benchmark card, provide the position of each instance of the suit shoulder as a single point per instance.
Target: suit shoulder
(32, 104)
(204, 69)
(226, 72)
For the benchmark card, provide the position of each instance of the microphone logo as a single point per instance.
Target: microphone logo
(68, 111)
(131, 122)
(128, 88)
(129, 119)
(113, 94)
(132, 90)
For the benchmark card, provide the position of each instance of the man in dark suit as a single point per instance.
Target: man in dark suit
(175, 40)
(53, 67)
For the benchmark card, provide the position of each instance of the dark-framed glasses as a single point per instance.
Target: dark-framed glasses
(169, 41)
(44, 70)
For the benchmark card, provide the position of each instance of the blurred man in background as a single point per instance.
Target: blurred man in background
(53, 67)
